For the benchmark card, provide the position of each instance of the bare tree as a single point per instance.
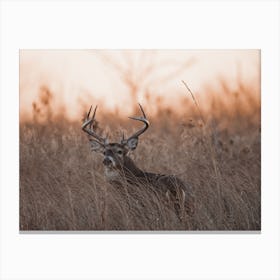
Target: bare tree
(142, 70)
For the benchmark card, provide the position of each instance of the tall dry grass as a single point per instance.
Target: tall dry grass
(62, 186)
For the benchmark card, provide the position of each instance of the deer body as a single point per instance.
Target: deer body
(132, 174)
(119, 167)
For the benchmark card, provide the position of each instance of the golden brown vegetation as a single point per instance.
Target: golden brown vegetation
(62, 186)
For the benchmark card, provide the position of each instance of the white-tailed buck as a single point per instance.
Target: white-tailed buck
(119, 167)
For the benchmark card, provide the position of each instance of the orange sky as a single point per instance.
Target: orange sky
(110, 75)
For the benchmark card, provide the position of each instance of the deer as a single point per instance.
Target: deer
(119, 167)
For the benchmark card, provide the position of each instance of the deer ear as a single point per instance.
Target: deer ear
(132, 143)
(96, 146)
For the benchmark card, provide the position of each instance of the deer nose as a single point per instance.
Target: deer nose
(107, 161)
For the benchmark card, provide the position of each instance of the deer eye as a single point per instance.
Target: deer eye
(120, 152)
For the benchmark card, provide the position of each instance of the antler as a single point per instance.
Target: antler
(141, 119)
(88, 127)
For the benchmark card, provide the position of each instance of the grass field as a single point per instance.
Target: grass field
(62, 186)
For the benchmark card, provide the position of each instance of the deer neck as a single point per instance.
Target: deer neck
(128, 171)
(131, 169)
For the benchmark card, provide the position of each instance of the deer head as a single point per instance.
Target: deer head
(115, 154)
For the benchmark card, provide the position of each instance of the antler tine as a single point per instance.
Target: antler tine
(142, 119)
(93, 116)
(89, 111)
(89, 122)
(142, 110)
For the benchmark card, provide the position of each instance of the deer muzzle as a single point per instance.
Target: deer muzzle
(108, 161)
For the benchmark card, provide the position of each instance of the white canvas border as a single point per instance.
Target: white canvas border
(156, 24)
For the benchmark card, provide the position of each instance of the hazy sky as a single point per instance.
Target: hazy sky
(89, 76)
